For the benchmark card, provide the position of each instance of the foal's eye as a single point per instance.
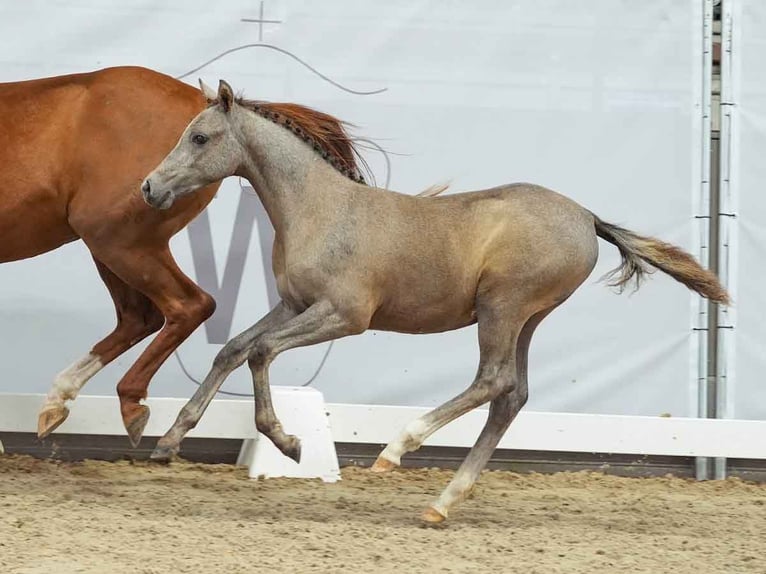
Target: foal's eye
(199, 139)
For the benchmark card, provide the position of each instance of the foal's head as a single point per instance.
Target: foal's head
(211, 148)
(208, 151)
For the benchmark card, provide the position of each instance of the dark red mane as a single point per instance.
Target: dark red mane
(325, 133)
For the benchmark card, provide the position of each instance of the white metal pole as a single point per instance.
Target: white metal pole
(702, 219)
(727, 216)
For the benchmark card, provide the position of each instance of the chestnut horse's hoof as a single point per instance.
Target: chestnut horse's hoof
(163, 454)
(50, 419)
(432, 517)
(136, 424)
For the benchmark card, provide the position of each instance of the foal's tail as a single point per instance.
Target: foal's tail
(637, 251)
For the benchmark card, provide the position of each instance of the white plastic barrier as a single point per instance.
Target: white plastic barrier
(374, 424)
(301, 410)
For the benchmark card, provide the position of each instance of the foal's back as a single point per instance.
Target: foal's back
(517, 220)
(434, 257)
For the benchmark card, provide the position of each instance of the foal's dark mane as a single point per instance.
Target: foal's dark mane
(325, 133)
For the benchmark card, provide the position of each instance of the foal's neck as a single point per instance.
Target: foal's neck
(291, 179)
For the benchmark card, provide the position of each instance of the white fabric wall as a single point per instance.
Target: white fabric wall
(600, 101)
(745, 235)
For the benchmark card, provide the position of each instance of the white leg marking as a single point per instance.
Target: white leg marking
(409, 439)
(457, 490)
(68, 382)
(2, 449)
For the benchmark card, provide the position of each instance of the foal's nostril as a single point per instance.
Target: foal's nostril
(146, 187)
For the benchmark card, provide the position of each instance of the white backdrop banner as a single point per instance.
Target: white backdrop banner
(601, 102)
(743, 203)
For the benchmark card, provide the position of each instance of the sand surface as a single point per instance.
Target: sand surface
(99, 517)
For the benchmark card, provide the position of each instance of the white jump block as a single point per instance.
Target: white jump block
(303, 413)
(301, 410)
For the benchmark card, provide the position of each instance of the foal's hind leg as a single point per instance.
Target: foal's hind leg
(502, 411)
(496, 375)
(137, 318)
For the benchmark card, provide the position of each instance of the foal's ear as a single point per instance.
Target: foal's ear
(225, 95)
(207, 91)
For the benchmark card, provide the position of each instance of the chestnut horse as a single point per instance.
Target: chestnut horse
(80, 147)
(348, 258)
(77, 148)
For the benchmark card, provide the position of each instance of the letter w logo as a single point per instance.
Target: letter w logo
(225, 292)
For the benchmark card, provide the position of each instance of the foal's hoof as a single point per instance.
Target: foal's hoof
(383, 465)
(135, 424)
(163, 454)
(432, 517)
(50, 419)
(293, 448)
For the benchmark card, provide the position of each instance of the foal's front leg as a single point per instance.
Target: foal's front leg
(321, 322)
(231, 356)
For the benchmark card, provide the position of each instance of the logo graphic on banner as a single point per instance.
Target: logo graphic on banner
(249, 213)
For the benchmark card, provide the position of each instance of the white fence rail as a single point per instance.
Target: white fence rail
(373, 424)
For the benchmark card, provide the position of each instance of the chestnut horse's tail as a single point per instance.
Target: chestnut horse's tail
(637, 251)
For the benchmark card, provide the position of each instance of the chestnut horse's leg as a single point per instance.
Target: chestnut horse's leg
(137, 318)
(185, 306)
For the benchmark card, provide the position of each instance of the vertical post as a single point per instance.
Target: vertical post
(713, 265)
(702, 218)
(727, 213)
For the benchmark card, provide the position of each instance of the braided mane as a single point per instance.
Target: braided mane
(325, 133)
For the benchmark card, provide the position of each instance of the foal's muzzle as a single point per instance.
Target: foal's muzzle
(158, 201)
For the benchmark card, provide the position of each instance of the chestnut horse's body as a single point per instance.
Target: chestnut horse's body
(76, 149)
